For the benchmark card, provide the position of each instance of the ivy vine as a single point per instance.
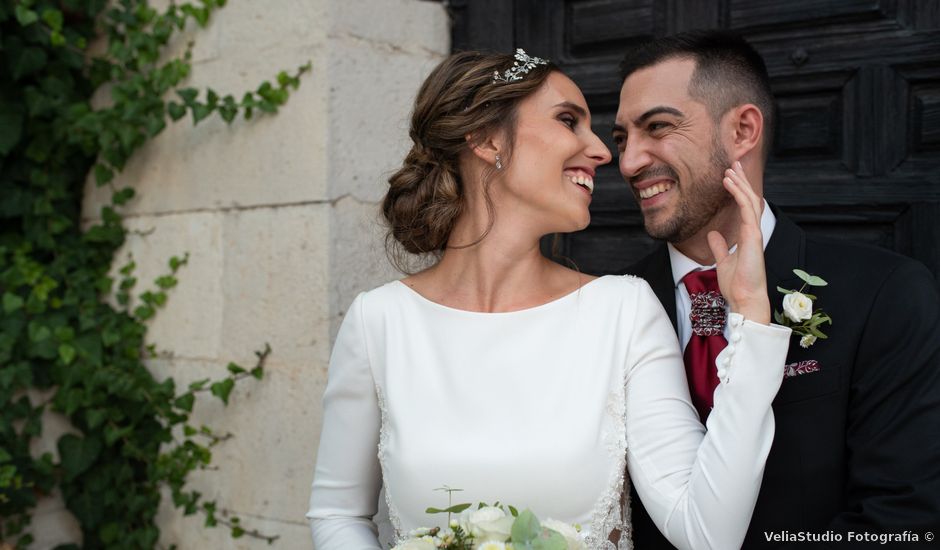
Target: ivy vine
(63, 346)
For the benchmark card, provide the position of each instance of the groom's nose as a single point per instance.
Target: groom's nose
(634, 158)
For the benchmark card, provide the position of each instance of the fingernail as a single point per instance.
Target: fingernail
(737, 163)
(731, 171)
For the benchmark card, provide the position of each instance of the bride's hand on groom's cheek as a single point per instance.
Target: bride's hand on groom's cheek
(741, 275)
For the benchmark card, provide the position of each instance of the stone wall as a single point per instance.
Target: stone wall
(279, 217)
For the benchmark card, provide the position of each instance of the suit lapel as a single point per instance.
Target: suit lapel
(785, 252)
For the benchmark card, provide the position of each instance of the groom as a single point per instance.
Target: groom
(856, 453)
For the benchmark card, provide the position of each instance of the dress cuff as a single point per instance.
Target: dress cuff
(748, 334)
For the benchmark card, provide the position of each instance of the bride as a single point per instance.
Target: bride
(515, 379)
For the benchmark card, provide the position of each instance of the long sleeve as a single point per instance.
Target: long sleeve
(348, 477)
(700, 488)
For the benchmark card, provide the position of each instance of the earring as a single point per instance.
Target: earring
(499, 165)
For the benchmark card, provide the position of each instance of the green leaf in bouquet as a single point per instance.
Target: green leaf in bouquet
(778, 318)
(513, 511)
(550, 540)
(455, 509)
(525, 528)
(785, 290)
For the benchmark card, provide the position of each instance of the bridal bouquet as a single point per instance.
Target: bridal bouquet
(492, 528)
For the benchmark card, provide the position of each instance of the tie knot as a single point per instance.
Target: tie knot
(701, 281)
(708, 305)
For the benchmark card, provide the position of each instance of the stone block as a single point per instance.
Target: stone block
(275, 281)
(369, 121)
(419, 27)
(357, 258)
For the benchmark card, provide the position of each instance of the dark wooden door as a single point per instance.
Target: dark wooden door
(857, 84)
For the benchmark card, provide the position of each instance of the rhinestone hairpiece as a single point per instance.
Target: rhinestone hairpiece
(520, 67)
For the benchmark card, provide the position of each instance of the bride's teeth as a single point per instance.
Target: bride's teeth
(583, 181)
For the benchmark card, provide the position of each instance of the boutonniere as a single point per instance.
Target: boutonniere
(798, 312)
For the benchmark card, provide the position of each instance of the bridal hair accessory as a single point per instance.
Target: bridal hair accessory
(798, 312)
(499, 164)
(520, 67)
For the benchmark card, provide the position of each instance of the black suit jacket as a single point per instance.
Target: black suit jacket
(857, 444)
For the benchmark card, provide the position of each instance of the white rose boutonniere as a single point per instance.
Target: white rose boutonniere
(798, 312)
(797, 306)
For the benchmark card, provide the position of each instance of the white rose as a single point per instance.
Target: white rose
(807, 341)
(423, 543)
(491, 545)
(572, 536)
(798, 307)
(487, 523)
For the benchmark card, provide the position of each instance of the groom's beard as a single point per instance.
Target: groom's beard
(699, 200)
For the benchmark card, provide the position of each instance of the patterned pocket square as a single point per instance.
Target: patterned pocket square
(801, 367)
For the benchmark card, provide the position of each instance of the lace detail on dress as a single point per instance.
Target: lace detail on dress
(612, 510)
(383, 441)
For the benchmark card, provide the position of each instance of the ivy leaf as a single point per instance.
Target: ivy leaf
(66, 353)
(188, 95)
(103, 174)
(144, 312)
(53, 18)
(175, 110)
(222, 389)
(95, 417)
(185, 402)
(11, 302)
(122, 196)
(77, 453)
(28, 62)
(235, 369)
(25, 16)
(166, 281)
(11, 127)
(200, 112)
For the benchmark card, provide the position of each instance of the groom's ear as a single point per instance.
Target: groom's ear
(485, 147)
(745, 130)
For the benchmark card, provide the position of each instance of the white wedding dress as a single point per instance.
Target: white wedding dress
(545, 408)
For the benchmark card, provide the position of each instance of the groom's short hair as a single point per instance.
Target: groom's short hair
(728, 71)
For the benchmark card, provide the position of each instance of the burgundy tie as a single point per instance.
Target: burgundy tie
(708, 323)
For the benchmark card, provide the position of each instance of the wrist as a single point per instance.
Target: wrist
(759, 313)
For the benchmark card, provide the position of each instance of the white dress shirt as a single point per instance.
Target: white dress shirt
(682, 265)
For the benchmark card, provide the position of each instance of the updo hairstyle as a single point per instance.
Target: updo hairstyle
(458, 98)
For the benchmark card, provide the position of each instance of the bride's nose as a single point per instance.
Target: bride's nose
(597, 150)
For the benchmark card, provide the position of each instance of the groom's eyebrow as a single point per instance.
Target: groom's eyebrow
(659, 110)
